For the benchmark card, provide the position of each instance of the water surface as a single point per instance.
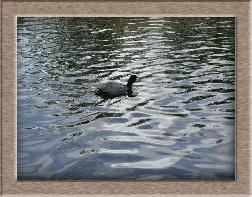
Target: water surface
(179, 125)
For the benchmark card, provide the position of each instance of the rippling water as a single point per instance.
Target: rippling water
(180, 124)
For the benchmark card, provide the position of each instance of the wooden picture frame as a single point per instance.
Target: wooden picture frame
(11, 9)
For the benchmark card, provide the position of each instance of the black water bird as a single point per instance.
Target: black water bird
(113, 89)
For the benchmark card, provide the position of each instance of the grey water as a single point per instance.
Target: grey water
(179, 125)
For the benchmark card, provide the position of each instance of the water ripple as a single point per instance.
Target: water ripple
(179, 124)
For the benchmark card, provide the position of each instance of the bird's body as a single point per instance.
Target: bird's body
(113, 89)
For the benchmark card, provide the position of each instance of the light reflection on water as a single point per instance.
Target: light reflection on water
(180, 124)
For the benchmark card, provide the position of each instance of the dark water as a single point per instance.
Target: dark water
(180, 124)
